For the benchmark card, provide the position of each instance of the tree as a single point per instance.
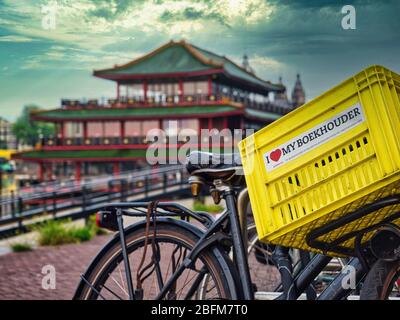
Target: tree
(3, 144)
(29, 132)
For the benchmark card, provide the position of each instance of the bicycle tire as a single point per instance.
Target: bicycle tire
(214, 259)
(380, 280)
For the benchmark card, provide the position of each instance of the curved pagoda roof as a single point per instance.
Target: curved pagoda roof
(181, 59)
(137, 113)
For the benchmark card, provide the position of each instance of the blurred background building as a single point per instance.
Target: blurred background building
(7, 139)
(174, 87)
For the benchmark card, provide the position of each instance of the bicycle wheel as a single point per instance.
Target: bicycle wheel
(264, 273)
(382, 281)
(107, 276)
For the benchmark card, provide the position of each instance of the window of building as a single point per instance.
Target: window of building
(133, 129)
(112, 129)
(149, 125)
(74, 129)
(189, 124)
(94, 129)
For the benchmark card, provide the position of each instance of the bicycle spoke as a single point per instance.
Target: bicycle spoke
(121, 287)
(164, 274)
(112, 292)
(185, 284)
(196, 283)
(121, 277)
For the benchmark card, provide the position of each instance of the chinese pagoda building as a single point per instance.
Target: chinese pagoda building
(174, 87)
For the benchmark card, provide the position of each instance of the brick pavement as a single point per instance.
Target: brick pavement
(21, 278)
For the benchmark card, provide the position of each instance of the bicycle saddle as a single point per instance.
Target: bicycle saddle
(213, 166)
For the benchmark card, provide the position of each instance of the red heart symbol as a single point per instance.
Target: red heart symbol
(276, 155)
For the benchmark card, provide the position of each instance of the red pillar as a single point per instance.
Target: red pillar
(181, 93)
(210, 86)
(78, 172)
(116, 169)
(61, 130)
(85, 130)
(50, 171)
(199, 137)
(118, 91)
(210, 131)
(41, 172)
(145, 87)
(225, 123)
(103, 130)
(122, 125)
(209, 124)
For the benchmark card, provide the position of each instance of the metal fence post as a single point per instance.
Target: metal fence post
(109, 190)
(45, 204)
(165, 182)
(83, 205)
(12, 204)
(146, 186)
(20, 212)
(54, 204)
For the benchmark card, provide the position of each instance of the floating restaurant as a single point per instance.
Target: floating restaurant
(174, 87)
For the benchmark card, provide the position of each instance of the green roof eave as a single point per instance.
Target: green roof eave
(81, 154)
(134, 113)
(262, 115)
(89, 155)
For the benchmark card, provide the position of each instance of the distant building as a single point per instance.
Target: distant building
(7, 139)
(174, 87)
(298, 94)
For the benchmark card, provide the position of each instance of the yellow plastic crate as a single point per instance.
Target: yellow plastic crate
(325, 159)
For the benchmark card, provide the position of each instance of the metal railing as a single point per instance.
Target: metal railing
(137, 100)
(80, 200)
(170, 100)
(93, 141)
(129, 141)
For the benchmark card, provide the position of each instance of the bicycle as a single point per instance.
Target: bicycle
(196, 254)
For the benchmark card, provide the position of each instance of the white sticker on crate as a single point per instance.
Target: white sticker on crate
(314, 137)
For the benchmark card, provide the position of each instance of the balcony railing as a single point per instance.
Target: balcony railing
(134, 101)
(164, 100)
(93, 141)
(128, 141)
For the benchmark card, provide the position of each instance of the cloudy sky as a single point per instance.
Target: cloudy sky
(40, 64)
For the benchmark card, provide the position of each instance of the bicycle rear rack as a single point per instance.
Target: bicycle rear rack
(335, 246)
(107, 217)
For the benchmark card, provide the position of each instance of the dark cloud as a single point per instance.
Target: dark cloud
(191, 13)
(319, 4)
(105, 8)
(300, 36)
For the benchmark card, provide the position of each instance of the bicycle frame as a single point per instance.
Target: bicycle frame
(211, 236)
(217, 232)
